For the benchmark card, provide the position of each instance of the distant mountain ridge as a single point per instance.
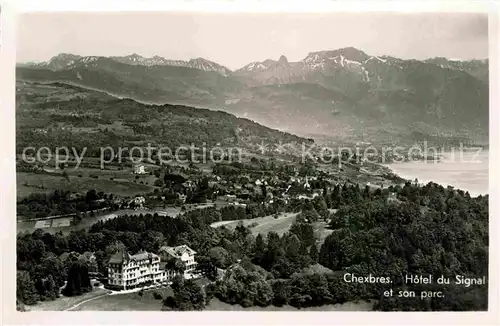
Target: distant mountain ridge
(67, 61)
(340, 93)
(318, 60)
(350, 59)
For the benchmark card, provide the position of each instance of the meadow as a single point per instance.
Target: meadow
(281, 225)
(28, 183)
(147, 302)
(264, 225)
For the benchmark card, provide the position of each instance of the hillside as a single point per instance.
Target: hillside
(344, 93)
(152, 83)
(362, 92)
(61, 115)
(477, 68)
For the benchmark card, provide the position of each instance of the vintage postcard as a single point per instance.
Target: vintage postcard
(255, 161)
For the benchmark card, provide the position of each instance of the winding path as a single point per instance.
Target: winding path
(85, 301)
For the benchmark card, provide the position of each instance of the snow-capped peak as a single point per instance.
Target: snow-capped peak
(376, 58)
(259, 66)
(198, 63)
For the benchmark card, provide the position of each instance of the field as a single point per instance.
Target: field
(146, 302)
(264, 224)
(217, 305)
(65, 303)
(126, 302)
(130, 301)
(280, 225)
(26, 183)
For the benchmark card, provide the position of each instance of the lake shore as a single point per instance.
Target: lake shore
(468, 172)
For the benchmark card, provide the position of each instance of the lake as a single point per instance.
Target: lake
(464, 170)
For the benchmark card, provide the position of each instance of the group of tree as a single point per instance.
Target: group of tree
(61, 202)
(46, 265)
(188, 295)
(424, 230)
(428, 230)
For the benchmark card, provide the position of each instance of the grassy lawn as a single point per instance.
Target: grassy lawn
(217, 305)
(76, 184)
(321, 231)
(127, 302)
(146, 302)
(64, 303)
(316, 269)
(264, 224)
(280, 225)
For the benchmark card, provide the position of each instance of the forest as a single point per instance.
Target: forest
(429, 230)
(92, 120)
(60, 202)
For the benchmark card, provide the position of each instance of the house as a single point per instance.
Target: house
(392, 197)
(189, 184)
(91, 259)
(118, 201)
(229, 198)
(90, 256)
(127, 271)
(306, 184)
(139, 201)
(74, 196)
(238, 204)
(139, 169)
(184, 254)
(309, 197)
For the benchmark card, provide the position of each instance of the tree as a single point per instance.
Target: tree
(78, 280)
(89, 260)
(304, 231)
(114, 247)
(321, 207)
(206, 267)
(281, 289)
(219, 257)
(176, 265)
(151, 240)
(264, 190)
(90, 196)
(244, 285)
(366, 192)
(65, 175)
(258, 249)
(314, 254)
(26, 292)
(188, 295)
(204, 184)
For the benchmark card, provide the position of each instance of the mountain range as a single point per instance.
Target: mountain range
(342, 94)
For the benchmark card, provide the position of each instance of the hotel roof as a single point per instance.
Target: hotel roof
(124, 256)
(178, 251)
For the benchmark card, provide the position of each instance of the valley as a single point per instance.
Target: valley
(344, 94)
(167, 159)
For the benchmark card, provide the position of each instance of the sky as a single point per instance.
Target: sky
(235, 40)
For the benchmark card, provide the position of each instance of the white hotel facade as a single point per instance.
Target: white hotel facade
(127, 271)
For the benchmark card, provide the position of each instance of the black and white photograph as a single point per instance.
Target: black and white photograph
(251, 161)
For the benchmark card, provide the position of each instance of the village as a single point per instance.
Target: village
(174, 188)
(239, 190)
